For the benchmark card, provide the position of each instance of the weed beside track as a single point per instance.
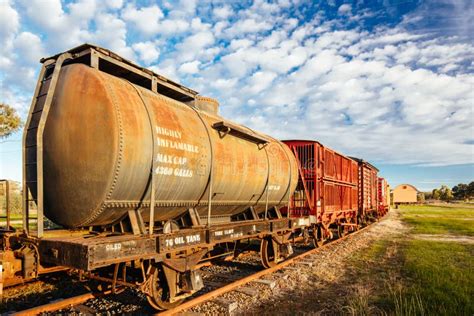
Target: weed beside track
(408, 275)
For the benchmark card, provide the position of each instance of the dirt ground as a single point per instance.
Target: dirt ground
(445, 238)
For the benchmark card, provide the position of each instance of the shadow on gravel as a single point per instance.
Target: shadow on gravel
(53, 286)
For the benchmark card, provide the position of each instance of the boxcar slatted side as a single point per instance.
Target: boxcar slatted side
(327, 184)
(368, 188)
(383, 192)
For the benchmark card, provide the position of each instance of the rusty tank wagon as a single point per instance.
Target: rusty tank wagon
(103, 134)
(326, 191)
(143, 176)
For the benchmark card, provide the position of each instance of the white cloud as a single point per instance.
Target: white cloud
(9, 20)
(174, 26)
(74, 18)
(260, 81)
(185, 7)
(224, 83)
(190, 67)
(240, 43)
(49, 21)
(29, 46)
(354, 90)
(243, 27)
(222, 12)
(111, 32)
(114, 4)
(193, 45)
(145, 19)
(344, 9)
(167, 68)
(147, 51)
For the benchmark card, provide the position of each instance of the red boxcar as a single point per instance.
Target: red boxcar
(368, 188)
(383, 197)
(327, 187)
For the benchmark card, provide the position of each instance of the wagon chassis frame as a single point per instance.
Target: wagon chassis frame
(178, 253)
(90, 252)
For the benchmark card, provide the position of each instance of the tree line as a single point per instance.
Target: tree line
(462, 191)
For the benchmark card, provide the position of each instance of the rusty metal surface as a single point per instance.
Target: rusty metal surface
(59, 304)
(327, 185)
(98, 155)
(383, 192)
(368, 197)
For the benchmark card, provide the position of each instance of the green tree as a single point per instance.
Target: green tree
(14, 194)
(470, 189)
(436, 195)
(10, 121)
(445, 193)
(461, 191)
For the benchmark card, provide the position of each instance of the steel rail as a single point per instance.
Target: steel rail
(60, 304)
(231, 286)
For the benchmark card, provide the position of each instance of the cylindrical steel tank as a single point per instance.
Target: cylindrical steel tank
(98, 150)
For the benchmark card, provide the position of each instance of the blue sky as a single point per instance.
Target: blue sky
(391, 81)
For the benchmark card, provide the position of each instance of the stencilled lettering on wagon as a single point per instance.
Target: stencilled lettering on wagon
(173, 165)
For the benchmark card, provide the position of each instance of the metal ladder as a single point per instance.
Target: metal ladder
(33, 141)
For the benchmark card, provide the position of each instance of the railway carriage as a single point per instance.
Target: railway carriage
(368, 191)
(327, 189)
(383, 192)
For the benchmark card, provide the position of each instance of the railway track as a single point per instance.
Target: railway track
(59, 304)
(212, 294)
(238, 283)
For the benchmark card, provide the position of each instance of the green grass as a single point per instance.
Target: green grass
(441, 226)
(377, 249)
(439, 219)
(441, 275)
(409, 276)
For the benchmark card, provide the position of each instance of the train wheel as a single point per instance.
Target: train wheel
(356, 223)
(269, 253)
(160, 298)
(341, 230)
(318, 240)
(318, 243)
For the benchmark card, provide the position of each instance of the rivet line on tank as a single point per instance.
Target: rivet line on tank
(120, 151)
